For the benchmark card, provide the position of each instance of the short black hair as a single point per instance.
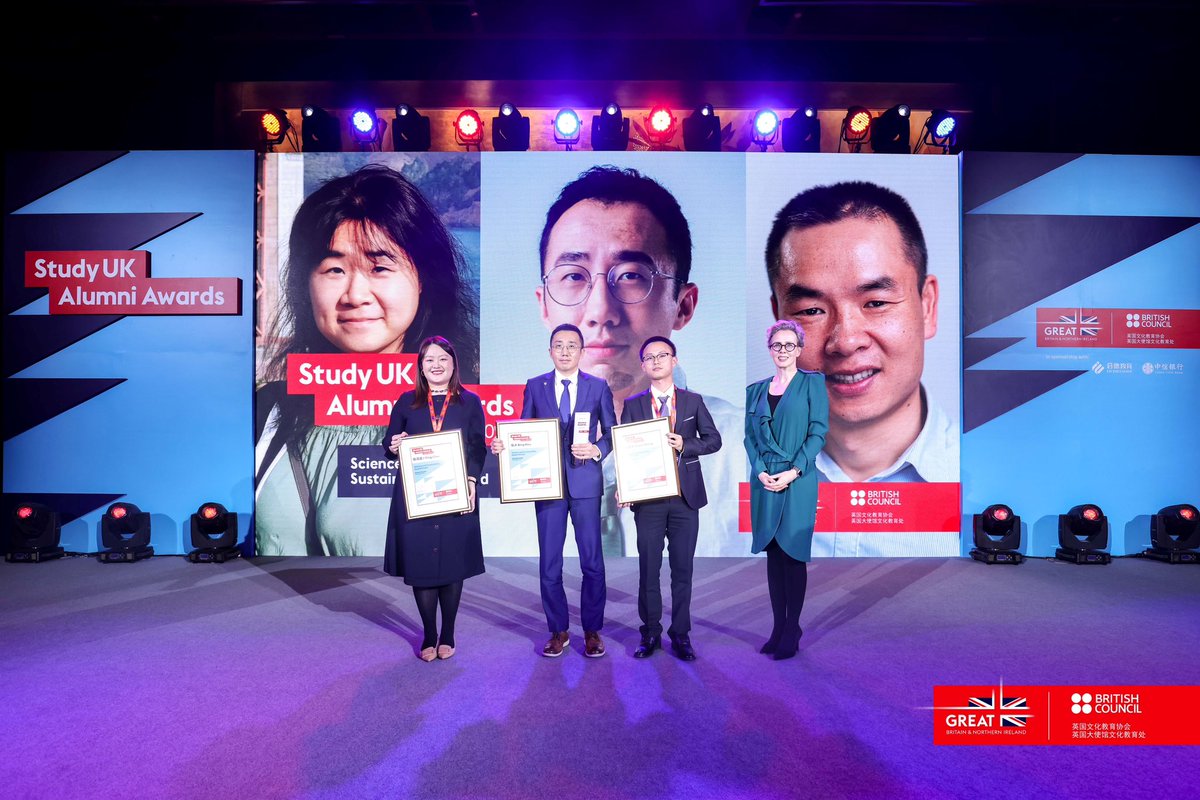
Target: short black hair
(610, 185)
(652, 340)
(566, 326)
(821, 205)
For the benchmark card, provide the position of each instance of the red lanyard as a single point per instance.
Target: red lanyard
(436, 421)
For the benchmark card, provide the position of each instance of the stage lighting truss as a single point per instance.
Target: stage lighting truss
(1083, 535)
(801, 132)
(510, 129)
(610, 129)
(1175, 535)
(33, 534)
(410, 130)
(997, 536)
(366, 128)
(274, 128)
(891, 130)
(468, 129)
(660, 125)
(764, 128)
(125, 531)
(856, 129)
(214, 534)
(319, 131)
(702, 130)
(940, 131)
(567, 128)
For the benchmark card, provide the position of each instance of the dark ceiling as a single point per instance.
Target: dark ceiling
(1052, 76)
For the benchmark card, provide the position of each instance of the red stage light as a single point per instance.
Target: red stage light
(209, 512)
(24, 512)
(1091, 514)
(1000, 514)
(468, 128)
(660, 124)
(1187, 513)
(117, 512)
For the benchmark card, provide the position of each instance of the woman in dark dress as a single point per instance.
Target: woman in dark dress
(787, 417)
(436, 554)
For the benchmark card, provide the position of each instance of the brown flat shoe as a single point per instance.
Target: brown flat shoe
(593, 644)
(444, 651)
(558, 642)
(428, 653)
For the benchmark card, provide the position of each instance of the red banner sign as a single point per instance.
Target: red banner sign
(878, 507)
(1118, 327)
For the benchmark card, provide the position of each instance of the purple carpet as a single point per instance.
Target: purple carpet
(298, 678)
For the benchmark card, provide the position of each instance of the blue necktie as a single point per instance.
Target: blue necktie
(564, 405)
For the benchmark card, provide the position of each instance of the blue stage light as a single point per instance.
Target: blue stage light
(765, 128)
(945, 127)
(364, 123)
(941, 131)
(567, 127)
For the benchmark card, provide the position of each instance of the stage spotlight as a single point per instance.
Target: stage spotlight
(610, 129)
(410, 130)
(856, 129)
(34, 533)
(764, 128)
(125, 531)
(468, 129)
(567, 128)
(702, 130)
(319, 131)
(940, 130)
(214, 534)
(510, 129)
(273, 126)
(1083, 535)
(660, 125)
(997, 536)
(801, 132)
(1175, 535)
(365, 127)
(891, 130)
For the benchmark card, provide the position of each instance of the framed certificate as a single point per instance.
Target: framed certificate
(433, 472)
(531, 462)
(645, 461)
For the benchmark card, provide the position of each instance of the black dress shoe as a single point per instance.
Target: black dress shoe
(647, 647)
(682, 647)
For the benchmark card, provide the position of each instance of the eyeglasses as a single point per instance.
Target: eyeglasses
(565, 348)
(629, 283)
(783, 347)
(655, 357)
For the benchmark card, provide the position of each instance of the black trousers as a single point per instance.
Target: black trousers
(675, 525)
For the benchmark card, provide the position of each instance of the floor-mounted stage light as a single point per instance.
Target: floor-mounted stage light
(1175, 535)
(856, 129)
(410, 130)
(273, 126)
(125, 531)
(468, 129)
(510, 129)
(660, 125)
(702, 130)
(764, 128)
(366, 127)
(940, 130)
(33, 534)
(801, 132)
(891, 130)
(319, 131)
(997, 536)
(567, 128)
(214, 534)
(610, 129)
(1083, 535)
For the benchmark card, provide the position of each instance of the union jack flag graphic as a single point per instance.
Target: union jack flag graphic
(1089, 324)
(1010, 709)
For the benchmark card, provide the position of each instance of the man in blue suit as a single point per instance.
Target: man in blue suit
(671, 521)
(564, 393)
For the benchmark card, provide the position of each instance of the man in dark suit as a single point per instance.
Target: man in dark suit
(672, 521)
(565, 393)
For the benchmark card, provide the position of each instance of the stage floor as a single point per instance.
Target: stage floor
(297, 677)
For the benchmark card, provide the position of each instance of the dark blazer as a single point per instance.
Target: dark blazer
(435, 551)
(585, 477)
(699, 432)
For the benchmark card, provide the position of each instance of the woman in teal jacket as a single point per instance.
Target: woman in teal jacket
(787, 417)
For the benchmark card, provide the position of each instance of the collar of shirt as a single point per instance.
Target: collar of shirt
(932, 457)
(655, 394)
